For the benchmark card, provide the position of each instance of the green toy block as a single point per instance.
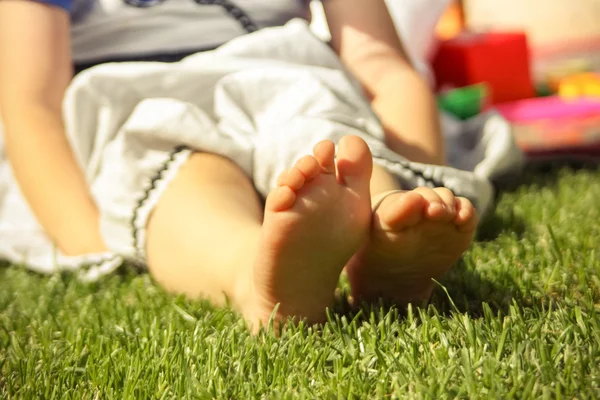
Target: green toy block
(464, 102)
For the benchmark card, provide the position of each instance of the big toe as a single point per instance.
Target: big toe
(354, 163)
(399, 211)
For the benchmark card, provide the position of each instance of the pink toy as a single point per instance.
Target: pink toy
(552, 125)
(548, 107)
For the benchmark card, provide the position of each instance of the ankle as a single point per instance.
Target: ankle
(242, 283)
(382, 181)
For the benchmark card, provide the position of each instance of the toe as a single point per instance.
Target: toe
(354, 163)
(309, 166)
(292, 178)
(324, 152)
(435, 209)
(399, 211)
(466, 219)
(449, 200)
(280, 199)
(281, 178)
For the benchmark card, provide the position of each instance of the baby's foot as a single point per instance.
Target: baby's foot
(314, 222)
(415, 236)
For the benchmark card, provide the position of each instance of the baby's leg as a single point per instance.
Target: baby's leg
(206, 237)
(415, 236)
(204, 230)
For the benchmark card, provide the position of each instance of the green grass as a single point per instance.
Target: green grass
(520, 319)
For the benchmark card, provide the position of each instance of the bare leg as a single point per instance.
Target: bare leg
(205, 237)
(415, 236)
(205, 229)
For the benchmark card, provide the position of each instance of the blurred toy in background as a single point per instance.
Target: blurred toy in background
(465, 102)
(554, 110)
(555, 126)
(498, 59)
(580, 85)
(559, 32)
(564, 70)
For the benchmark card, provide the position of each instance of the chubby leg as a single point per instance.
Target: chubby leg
(207, 238)
(204, 230)
(415, 236)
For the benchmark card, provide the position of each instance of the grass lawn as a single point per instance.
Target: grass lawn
(520, 319)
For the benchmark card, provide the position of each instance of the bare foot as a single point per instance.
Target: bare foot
(314, 222)
(415, 236)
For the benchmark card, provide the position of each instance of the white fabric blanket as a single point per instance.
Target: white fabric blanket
(262, 100)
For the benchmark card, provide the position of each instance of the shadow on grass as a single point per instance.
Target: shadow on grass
(497, 224)
(463, 290)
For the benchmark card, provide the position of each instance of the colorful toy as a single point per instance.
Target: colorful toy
(553, 125)
(566, 69)
(542, 89)
(465, 102)
(501, 60)
(580, 85)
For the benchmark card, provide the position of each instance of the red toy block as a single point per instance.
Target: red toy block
(501, 60)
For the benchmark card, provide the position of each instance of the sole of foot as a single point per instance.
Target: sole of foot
(315, 220)
(415, 236)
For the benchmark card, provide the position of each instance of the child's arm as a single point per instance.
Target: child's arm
(35, 69)
(364, 36)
